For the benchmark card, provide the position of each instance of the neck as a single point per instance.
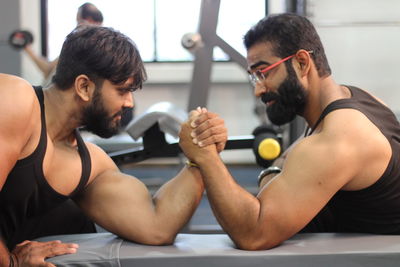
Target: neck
(322, 92)
(62, 114)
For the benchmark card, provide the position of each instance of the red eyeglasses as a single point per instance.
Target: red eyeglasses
(260, 75)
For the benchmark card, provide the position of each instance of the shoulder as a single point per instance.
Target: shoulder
(100, 161)
(106, 174)
(349, 142)
(16, 92)
(352, 88)
(12, 82)
(19, 103)
(343, 136)
(350, 127)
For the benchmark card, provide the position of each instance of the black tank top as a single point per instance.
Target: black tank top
(26, 194)
(375, 209)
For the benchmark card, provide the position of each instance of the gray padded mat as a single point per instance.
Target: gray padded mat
(218, 250)
(100, 249)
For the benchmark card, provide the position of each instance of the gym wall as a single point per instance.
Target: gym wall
(10, 59)
(362, 40)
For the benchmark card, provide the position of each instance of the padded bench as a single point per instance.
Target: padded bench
(322, 249)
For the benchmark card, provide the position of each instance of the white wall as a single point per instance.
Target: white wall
(30, 20)
(362, 41)
(158, 73)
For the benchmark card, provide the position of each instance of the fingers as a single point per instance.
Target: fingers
(23, 243)
(220, 146)
(56, 248)
(210, 136)
(196, 112)
(207, 129)
(201, 115)
(208, 125)
(33, 253)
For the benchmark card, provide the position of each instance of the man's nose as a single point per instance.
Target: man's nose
(259, 89)
(129, 101)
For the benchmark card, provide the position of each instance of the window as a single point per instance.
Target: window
(156, 26)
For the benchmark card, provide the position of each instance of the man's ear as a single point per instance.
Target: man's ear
(84, 87)
(304, 61)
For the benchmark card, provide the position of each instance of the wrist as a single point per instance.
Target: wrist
(206, 157)
(191, 164)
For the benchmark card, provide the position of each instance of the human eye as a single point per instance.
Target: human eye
(260, 75)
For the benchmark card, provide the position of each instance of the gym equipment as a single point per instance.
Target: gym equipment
(267, 145)
(192, 42)
(202, 45)
(159, 128)
(321, 249)
(20, 38)
(153, 126)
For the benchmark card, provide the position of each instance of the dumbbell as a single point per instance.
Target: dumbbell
(19, 39)
(266, 146)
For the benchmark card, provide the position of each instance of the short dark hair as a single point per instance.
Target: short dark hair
(100, 53)
(287, 34)
(90, 11)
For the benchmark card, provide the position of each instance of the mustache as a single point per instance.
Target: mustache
(122, 112)
(269, 96)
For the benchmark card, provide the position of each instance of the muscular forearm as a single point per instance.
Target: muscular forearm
(176, 201)
(235, 208)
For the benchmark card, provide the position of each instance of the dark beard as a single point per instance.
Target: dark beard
(96, 119)
(289, 101)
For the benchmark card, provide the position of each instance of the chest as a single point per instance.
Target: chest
(63, 166)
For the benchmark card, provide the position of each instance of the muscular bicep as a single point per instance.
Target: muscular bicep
(121, 204)
(309, 179)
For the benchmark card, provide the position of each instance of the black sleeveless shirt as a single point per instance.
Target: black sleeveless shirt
(26, 195)
(375, 209)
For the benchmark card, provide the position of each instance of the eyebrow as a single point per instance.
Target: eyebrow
(259, 63)
(129, 87)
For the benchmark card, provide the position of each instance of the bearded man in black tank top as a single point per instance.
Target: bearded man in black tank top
(45, 164)
(343, 176)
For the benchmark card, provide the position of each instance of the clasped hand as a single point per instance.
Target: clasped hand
(203, 132)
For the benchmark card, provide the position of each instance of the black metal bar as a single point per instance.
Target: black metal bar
(138, 154)
(43, 26)
(204, 56)
(231, 52)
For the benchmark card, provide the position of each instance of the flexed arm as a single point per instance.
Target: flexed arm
(122, 204)
(309, 179)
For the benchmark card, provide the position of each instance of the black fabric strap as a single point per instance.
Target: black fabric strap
(86, 163)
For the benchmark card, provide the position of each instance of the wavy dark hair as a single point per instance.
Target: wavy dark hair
(287, 34)
(101, 53)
